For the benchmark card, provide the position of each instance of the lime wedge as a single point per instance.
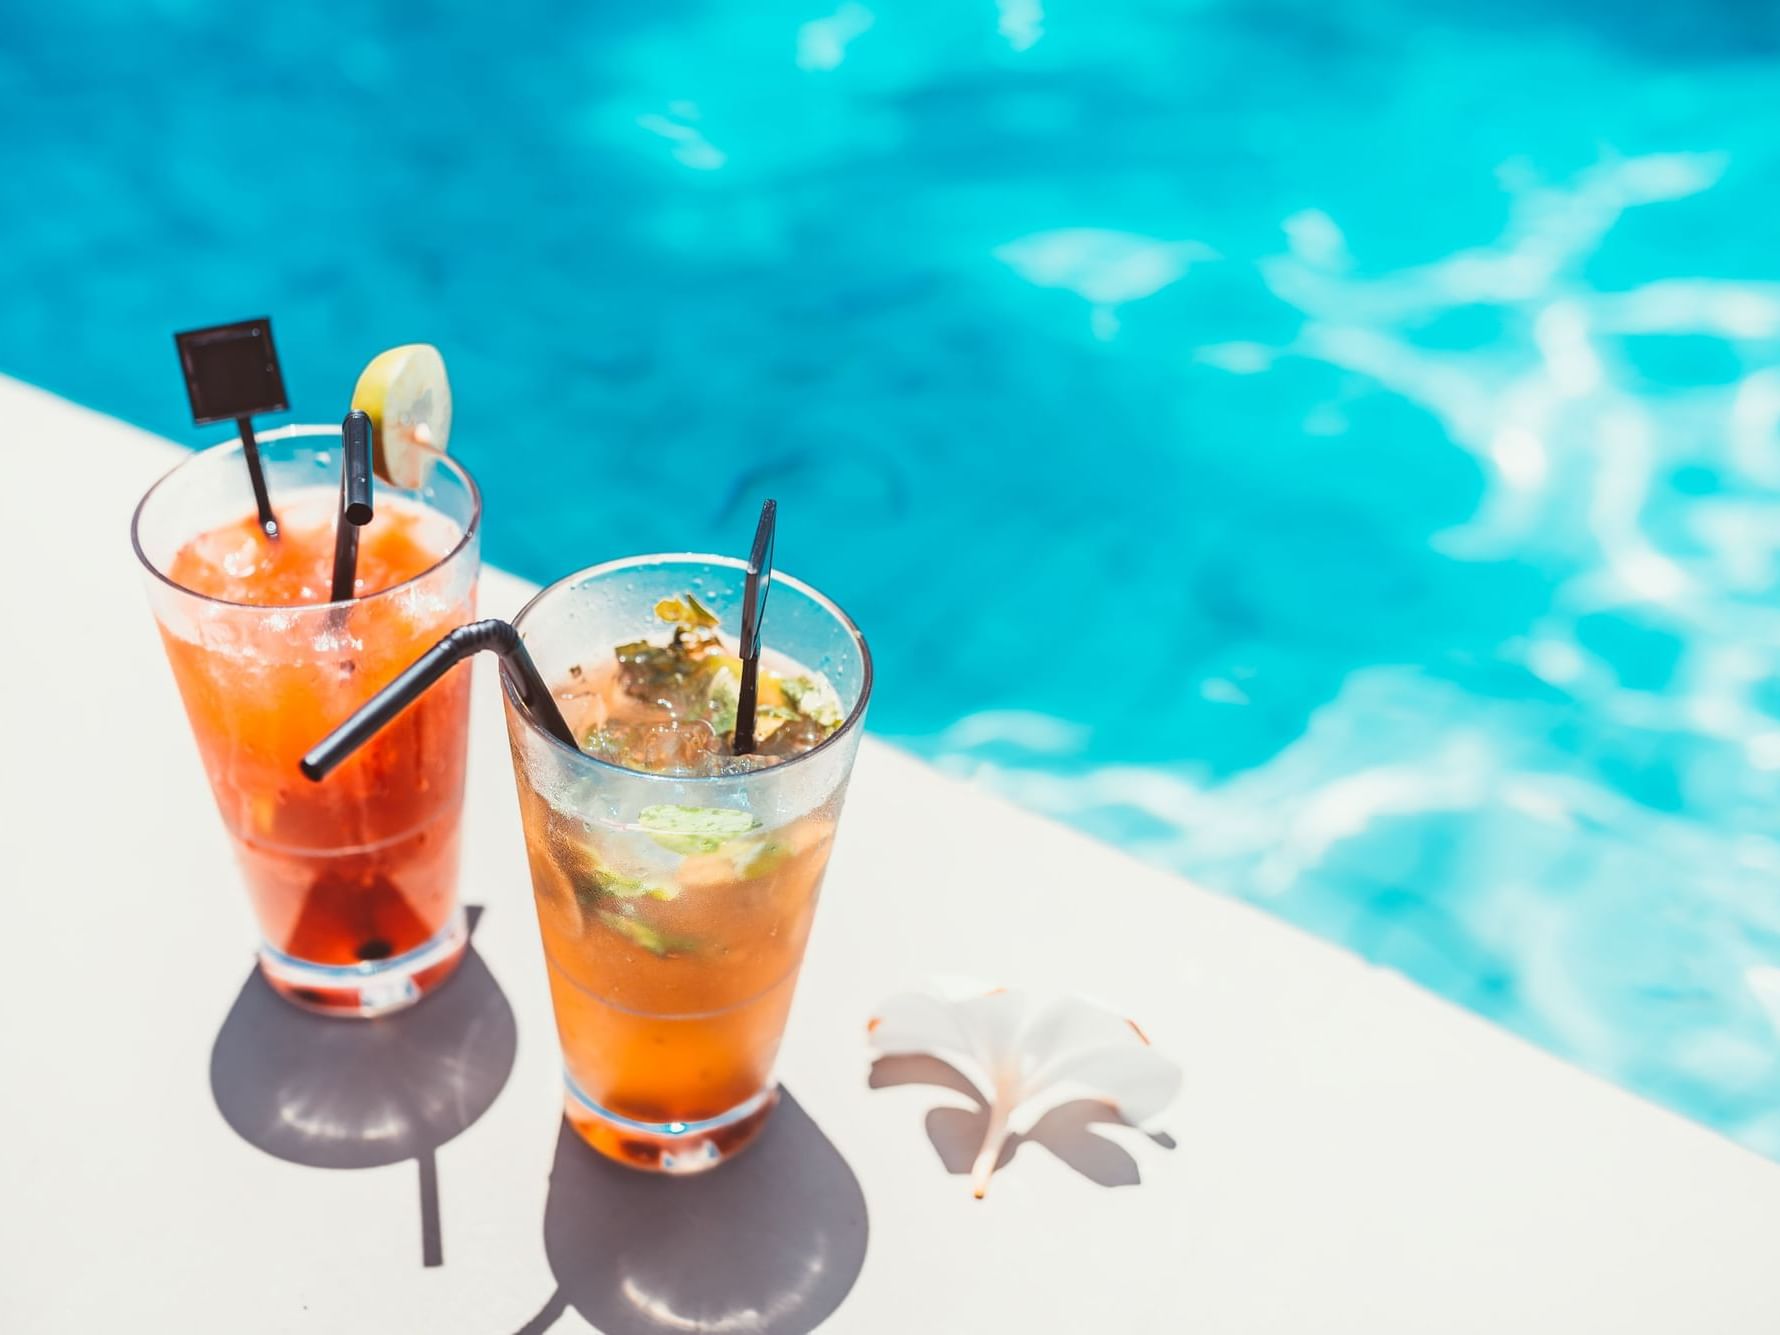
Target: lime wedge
(408, 399)
(694, 830)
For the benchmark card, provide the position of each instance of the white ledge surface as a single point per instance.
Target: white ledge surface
(1351, 1154)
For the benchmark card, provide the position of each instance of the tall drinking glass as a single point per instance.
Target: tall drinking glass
(353, 880)
(673, 945)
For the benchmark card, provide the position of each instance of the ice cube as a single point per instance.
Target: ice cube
(681, 747)
(741, 764)
(794, 738)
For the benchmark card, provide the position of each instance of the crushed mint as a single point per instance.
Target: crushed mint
(692, 830)
(675, 675)
(814, 698)
(635, 887)
(603, 741)
(640, 933)
(726, 694)
(685, 611)
(756, 857)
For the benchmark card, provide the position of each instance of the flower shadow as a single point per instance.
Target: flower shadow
(1067, 1130)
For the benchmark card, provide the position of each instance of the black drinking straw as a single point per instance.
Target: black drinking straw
(380, 709)
(754, 591)
(355, 501)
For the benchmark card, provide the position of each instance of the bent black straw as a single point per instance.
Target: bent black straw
(380, 709)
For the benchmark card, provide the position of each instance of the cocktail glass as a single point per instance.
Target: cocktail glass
(354, 880)
(673, 955)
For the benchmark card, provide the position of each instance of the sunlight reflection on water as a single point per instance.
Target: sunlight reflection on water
(1593, 862)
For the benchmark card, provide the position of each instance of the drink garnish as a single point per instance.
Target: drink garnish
(597, 887)
(676, 675)
(814, 697)
(697, 680)
(687, 611)
(605, 886)
(640, 933)
(633, 887)
(723, 699)
(692, 830)
(756, 857)
(407, 396)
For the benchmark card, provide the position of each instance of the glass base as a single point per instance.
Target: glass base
(362, 991)
(668, 1147)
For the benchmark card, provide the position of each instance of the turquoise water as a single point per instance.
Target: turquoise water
(1330, 450)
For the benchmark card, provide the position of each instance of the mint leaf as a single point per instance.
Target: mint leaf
(642, 934)
(693, 830)
(686, 611)
(757, 857)
(634, 887)
(700, 614)
(725, 696)
(814, 698)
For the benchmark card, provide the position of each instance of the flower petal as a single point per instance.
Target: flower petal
(1026, 1056)
(1136, 1079)
(993, 1023)
(974, 1026)
(1064, 1053)
(1068, 1025)
(918, 1022)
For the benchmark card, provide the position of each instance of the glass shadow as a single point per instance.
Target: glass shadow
(332, 1093)
(770, 1243)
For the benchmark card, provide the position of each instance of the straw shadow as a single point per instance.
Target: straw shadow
(1067, 1131)
(771, 1243)
(332, 1093)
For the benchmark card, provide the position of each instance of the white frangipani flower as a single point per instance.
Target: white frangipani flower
(1027, 1054)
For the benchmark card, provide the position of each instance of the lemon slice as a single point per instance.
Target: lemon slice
(407, 397)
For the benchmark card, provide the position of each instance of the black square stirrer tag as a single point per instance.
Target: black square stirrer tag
(754, 591)
(231, 373)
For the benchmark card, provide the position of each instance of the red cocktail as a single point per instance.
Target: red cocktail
(354, 879)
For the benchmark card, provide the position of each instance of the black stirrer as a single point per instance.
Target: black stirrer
(754, 591)
(231, 373)
(256, 477)
(355, 501)
(380, 709)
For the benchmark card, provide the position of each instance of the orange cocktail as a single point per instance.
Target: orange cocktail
(353, 880)
(676, 882)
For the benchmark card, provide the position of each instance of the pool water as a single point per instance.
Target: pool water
(1332, 450)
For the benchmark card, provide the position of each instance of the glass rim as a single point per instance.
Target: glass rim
(822, 600)
(296, 431)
